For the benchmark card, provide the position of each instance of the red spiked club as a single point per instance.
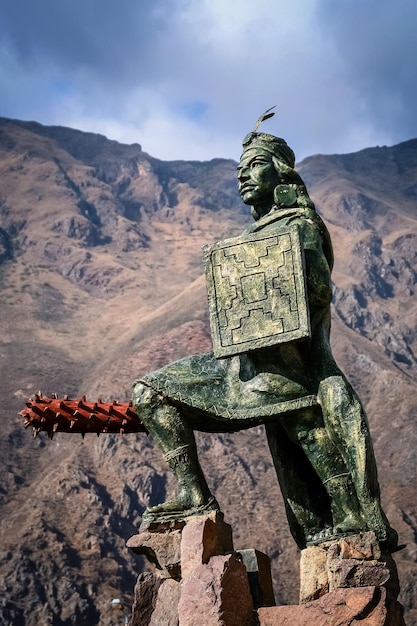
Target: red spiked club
(79, 416)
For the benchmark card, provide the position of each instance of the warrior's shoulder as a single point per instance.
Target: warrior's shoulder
(312, 228)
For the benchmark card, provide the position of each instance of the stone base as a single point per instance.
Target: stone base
(367, 606)
(217, 594)
(258, 567)
(354, 561)
(154, 601)
(198, 580)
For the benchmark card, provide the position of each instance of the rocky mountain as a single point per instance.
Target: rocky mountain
(101, 280)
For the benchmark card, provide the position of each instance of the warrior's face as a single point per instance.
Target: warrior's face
(257, 178)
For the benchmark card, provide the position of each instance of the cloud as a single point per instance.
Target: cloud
(97, 37)
(188, 78)
(376, 48)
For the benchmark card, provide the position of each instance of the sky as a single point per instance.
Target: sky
(187, 79)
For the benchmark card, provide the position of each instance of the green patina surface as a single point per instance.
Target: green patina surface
(256, 292)
(269, 297)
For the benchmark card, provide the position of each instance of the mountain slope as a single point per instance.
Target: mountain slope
(101, 280)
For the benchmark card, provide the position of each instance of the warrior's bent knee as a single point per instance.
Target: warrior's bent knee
(154, 411)
(145, 398)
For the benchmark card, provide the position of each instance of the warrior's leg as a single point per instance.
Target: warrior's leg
(307, 429)
(347, 425)
(174, 436)
(305, 499)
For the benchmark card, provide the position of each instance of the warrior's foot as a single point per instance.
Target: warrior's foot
(181, 507)
(323, 535)
(350, 525)
(189, 497)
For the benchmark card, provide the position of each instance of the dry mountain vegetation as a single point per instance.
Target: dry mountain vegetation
(101, 280)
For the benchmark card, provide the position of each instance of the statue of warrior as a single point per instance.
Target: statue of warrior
(269, 296)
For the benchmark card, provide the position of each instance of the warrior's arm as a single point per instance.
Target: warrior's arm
(318, 272)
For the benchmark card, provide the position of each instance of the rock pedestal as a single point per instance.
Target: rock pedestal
(354, 561)
(197, 577)
(343, 607)
(199, 580)
(343, 583)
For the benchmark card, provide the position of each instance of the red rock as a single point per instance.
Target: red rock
(204, 537)
(366, 606)
(355, 573)
(156, 601)
(363, 546)
(166, 607)
(161, 549)
(217, 594)
(146, 591)
(354, 561)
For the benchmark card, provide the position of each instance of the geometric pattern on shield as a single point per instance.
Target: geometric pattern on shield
(256, 291)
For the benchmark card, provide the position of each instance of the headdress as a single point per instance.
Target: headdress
(275, 145)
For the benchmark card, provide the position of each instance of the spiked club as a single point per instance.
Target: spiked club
(53, 414)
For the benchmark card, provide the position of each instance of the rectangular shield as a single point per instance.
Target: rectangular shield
(257, 292)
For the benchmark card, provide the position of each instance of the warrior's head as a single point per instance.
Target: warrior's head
(266, 174)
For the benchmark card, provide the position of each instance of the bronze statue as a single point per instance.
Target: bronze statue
(269, 296)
